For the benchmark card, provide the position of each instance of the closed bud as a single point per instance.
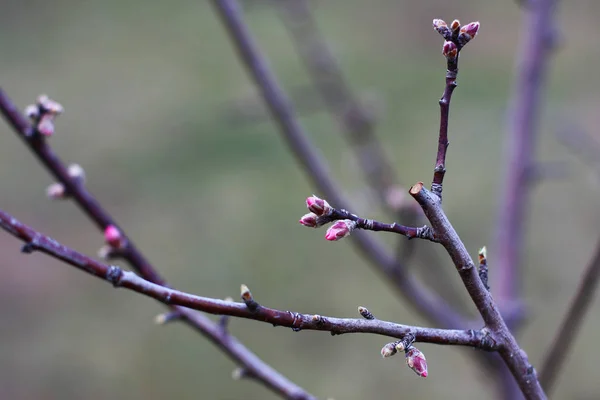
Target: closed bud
(76, 172)
(366, 314)
(32, 111)
(416, 361)
(49, 106)
(318, 206)
(388, 350)
(113, 237)
(340, 230)
(442, 28)
(468, 32)
(309, 220)
(455, 25)
(56, 191)
(46, 125)
(449, 50)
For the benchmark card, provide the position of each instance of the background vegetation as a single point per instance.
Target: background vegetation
(152, 95)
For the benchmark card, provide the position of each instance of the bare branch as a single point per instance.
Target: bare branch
(228, 344)
(249, 309)
(557, 353)
(427, 303)
(514, 357)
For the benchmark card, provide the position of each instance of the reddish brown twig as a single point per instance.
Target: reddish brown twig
(261, 371)
(249, 309)
(514, 357)
(427, 303)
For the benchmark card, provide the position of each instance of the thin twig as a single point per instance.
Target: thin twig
(514, 357)
(558, 352)
(250, 309)
(234, 349)
(427, 303)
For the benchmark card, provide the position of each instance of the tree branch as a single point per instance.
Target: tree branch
(235, 350)
(426, 303)
(250, 309)
(514, 357)
(557, 353)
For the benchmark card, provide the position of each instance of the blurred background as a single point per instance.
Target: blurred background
(176, 145)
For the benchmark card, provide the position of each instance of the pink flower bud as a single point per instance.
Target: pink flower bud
(318, 206)
(450, 51)
(309, 220)
(416, 361)
(56, 191)
(340, 230)
(113, 237)
(46, 125)
(470, 29)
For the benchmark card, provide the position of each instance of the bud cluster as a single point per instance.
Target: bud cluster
(319, 215)
(415, 359)
(43, 113)
(455, 36)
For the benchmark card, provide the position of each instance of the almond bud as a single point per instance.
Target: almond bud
(318, 206)
(56, 191)
(340, 230)
(46, 125)
(440, 26)
(455, 25)
(468, 32)
(449, 50)
(416, 361)
(309, 220)
(388, 350)
(113, 237)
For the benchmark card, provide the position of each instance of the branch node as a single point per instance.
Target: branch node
(28, 248)
(114, 274)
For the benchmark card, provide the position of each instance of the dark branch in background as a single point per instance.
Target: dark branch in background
(425, 302)
(261, 371)
(357, 123)
(249, 309)
(557, 354)
(532, 67)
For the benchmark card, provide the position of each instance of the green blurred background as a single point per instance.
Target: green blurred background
(153, 113)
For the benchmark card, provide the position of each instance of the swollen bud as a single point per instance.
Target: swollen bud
(340, 230)
(113, 237)
(309, 220)
(468, 32)
(56, 191)
(318, 206)
(416, 361)
(455, 25)
(449, 50)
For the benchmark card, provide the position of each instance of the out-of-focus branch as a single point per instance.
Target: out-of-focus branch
(358, 124)
(557, 353)
(532, 67)
(234, 349)
(514, 357)
(426, 303)
(249, 309)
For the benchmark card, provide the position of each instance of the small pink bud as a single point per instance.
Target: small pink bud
(46, 125)
(388, 350)
(340, 230)
(416, 361)
(450, 51)
(471, 29)
(56, 191)
(113, 237)
(318, 206)
(309, 220)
